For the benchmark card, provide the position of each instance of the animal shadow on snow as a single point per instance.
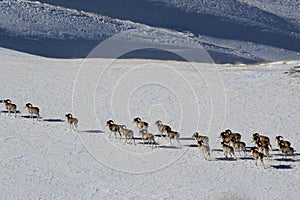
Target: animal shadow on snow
(93, 131)
(53, 120)
(286, 160)
(28, 116)
(226, 159)
(160, 136)
(282, 166)
(217, 150)
(190, 145)
(146, 143)
(169, 147)
(246, 158)
(6, 112)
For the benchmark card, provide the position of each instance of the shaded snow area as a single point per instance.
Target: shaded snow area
(46, 160)
(230, 31)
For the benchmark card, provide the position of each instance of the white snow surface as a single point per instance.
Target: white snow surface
(45, 160)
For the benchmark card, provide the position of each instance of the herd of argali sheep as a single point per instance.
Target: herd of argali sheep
(230, 142)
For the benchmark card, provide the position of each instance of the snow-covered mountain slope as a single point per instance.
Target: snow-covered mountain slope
(55, 31)
(229, 19)
(45, 160)
(288, 9)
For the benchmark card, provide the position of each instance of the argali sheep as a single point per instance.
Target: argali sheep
(72, 121)
(227, 150)
(263, 148)
(236, 136)
(204, 149)
(127, 133)
(141, 125)
(173, 135)
(162, 128)
(227, 136)
(10, 107)
(33, 110)
(239, 146)
(263, 139)
(113, 128)
(201, 138)
(279, 139)
(149, 137)
(257, 155)
(287, 150)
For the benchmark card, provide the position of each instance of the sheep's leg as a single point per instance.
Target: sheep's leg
(125, 140)
(240, 152)
(178, 142)
(15, 114)
(262, 162)
(75, 125)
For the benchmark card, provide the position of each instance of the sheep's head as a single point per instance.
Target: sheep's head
(279, 137)
(109, 122)
(196, 134)
(222, 135)
(69, 115)
(158, 122)
(256, 139)
(255, 135)
(7, 101)
(137, 119)
(28, 105)
(228, 131)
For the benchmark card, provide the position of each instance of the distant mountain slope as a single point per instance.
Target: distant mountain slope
(54, 31)
(287, 9)
(228, 19)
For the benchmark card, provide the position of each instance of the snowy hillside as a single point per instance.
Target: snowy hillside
(288, 9)
(45, 160)
(53, 31)
(229, 19)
